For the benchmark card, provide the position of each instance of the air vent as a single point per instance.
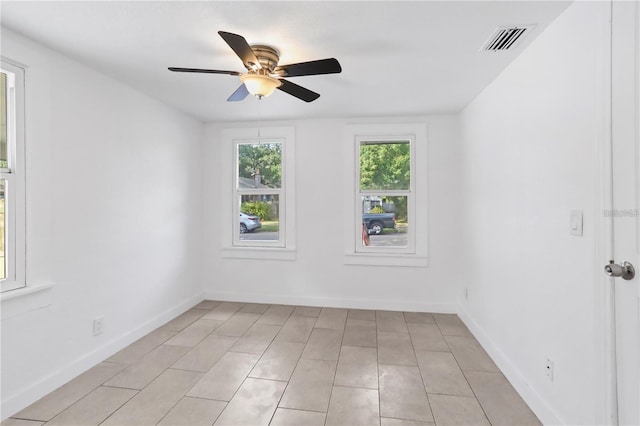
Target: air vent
(505, 38)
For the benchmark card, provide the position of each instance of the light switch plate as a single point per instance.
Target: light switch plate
(575, 223)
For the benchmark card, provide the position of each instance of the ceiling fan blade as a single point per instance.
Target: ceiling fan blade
(321, 66)
(240, 46)
(240, 93)
(198, 70)
(298, 91)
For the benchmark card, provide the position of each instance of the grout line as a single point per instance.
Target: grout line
(247, 376)
(335, 373)
(119, 407)
(422, 378)
(466, 379)
(294, 368)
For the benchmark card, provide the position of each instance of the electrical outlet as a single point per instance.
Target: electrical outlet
(98, 325)
(548, 368)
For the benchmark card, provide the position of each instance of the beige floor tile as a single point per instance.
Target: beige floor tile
(457, 411)
(353, 406)
(142, 346)
(54, 403)
(287, 417)
(276, 315)
(193, 412)
(297, 329)
(207, 304)
(419, 317)
(254, 308)
(401, 422)
(360, 333)
(442, 374)
(427, 337)
(257, 339)
(362, 314)
(203, 356)
(451, 325)
(278, 361)
(223, 311)
(224, 378)
(253, 404)
(186, 319)
(143, 372)
(391, 322)
(306, 311)
(94, 408)
(357, 367)
(402, 394)
(21, 422)
(195, 333)
(395, 349)
(470, 355)
(237, 325)
(333, 318)
(310, 386)
(500, 401)
(323, 344)
(151, 404)
(292, 366)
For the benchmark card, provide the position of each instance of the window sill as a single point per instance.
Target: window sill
(25, 299)
(380, 259)
(259, 253)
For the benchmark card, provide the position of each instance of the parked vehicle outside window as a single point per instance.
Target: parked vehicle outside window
(249, 223)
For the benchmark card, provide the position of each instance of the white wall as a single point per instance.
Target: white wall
(113, 221)
(529, 156)
(319, 276)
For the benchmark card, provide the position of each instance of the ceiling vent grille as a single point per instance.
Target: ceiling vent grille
(505, 38)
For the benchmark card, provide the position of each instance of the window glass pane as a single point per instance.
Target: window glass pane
(3, 231)
(384, 220)
(385, 165)
(259, 217)
(3, 120)
(259, 166)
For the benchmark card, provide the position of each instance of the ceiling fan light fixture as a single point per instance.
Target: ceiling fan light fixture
(260, 85)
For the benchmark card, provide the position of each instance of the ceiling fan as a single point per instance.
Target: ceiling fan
(264, 75)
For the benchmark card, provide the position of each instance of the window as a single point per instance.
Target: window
(261, 217)
(387, 215)
(12, 218)
(259, 192)
(385, 195)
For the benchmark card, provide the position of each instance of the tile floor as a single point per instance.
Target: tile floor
(227, 363)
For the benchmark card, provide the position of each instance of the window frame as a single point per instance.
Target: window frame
(410, 248)
(280, 192)
(14, 175)
(415, 254)
(233, 247)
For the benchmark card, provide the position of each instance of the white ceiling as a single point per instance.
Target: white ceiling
(398, 58)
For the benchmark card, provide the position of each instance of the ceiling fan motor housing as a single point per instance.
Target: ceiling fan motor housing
(267, 56)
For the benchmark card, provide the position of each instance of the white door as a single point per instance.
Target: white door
(625, 129)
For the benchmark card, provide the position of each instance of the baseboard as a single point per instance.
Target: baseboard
(33, 392)
(331, 302)
(534, 400)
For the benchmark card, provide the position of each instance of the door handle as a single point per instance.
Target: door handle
(625, 271)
